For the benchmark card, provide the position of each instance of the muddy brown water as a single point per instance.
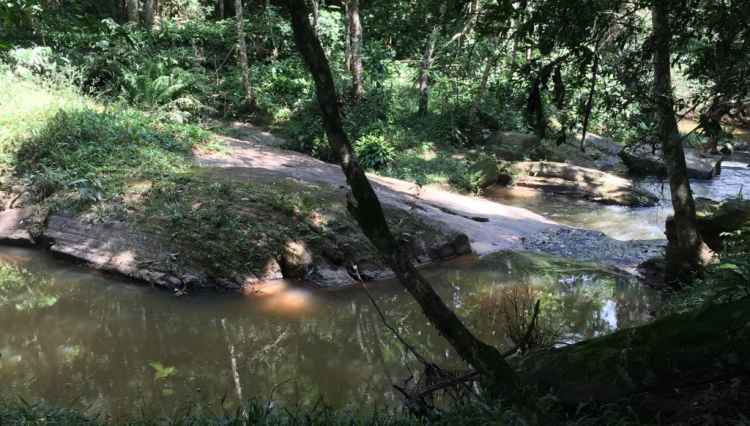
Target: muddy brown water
(115, 348)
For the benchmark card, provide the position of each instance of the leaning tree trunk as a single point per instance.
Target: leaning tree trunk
(132, 9)
(242, 55)
(148, 14)
(354, 25)
(424, 69)
(686, 252)
(366, 209)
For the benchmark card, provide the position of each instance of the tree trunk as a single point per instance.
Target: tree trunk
(366, 209)
(132, 9)
(242, 55)
(488, 67)
(148, 14)
(425, 65)
(316, 16)
(220, 9)
(354, 25)
(686, 252)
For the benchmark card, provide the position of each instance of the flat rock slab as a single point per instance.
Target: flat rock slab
(642, 160)
(111, 247)
(15, 227)
(490, 226)
(581, 182)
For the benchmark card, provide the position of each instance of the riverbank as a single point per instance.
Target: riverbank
(177, 207)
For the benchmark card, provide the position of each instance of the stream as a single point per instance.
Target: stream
(627, 223)
(113, 348)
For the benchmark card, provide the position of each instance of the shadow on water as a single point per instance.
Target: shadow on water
(116, 348)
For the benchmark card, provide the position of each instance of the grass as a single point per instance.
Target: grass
(61, 143)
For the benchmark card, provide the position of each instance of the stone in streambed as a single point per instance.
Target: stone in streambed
(15, 227)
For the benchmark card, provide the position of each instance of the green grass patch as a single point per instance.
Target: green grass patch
(227, 225)
(59, 142)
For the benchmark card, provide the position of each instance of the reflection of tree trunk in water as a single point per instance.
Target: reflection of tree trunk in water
(358, 314)
(377, 348)
(687, 254)
(233, 362)
(367, 210)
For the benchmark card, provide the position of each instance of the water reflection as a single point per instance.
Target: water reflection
(114, 347)
(625, 223)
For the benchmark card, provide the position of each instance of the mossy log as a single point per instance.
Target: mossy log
(674, 352)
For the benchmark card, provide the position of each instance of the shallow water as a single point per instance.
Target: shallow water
(113, 347)
(625, 223)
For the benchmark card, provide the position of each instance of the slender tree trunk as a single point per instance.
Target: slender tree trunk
(242, 55)
(354, 25)
(686, 252)
(132, 9)
(316, 16)
(489, 66)
(148, 14)
(424, 67)
(366, 209)
(220, 9)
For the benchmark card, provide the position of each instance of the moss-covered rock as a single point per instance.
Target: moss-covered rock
(676, 351)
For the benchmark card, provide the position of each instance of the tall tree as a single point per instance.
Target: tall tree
(425, 64)
(686, 251)
(366, 209)
(242, 55)
(148, 13)
(132, 10)
(354, 30)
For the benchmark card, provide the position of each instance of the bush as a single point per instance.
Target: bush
(374, 151)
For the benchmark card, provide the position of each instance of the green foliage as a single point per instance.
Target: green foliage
(21, 289)
(60, 141)
(214, 223)
(374, 151)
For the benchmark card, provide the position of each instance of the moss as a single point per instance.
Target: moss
(529, 263)
(679, 349)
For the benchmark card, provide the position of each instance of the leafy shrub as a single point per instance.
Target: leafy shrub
(36, 60)
(374, 151)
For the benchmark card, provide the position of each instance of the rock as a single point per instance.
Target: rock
(483, 172)
(715, 219)
(682, 350)
(296, 260)
(15, 227)
(112, 247)
(514, 146)
(642, 160)
(580, 182)
(600, 153)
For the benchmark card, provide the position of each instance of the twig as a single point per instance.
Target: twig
(393, 330)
